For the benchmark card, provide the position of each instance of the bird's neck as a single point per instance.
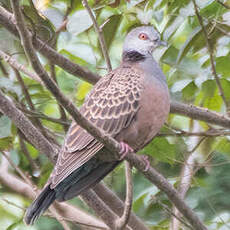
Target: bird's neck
(133, 56)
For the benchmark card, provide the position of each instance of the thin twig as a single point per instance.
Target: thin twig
(208, 133)
(151, 174)
(117, 205)
(42, 116)
(187, 172)
(174, 215)
(35, 120)
(33, 164)
(13, 204)
(8, 21)
(12, 62)
(223, 4)
(18, 170)
(100, 35)
(56, 214)
(210, 50)
(123, 220)
(61, 109)
(68, 212)
(98, 205)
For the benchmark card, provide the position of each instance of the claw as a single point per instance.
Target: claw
(125, 149)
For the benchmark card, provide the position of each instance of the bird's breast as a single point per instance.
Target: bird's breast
(154, 109)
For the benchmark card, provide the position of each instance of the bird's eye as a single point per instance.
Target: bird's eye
(143, 36)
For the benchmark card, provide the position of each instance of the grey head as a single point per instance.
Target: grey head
(140, 43)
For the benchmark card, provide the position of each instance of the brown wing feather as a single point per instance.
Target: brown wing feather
(111, 106)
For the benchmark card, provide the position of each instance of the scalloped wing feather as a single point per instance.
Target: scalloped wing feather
(111, 106)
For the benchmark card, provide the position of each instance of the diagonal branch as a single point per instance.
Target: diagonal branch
(8, 21)
(151, 174)
(223, 4)
(123, 220)
(117, 205)
(100, 35)
(13, 63)
(210, 50)
(68, 211)
(198, 113)
(35, 137)
(31, 133)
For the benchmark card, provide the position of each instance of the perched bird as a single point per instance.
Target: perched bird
(130, 103)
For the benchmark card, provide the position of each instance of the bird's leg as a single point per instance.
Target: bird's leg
(146, 161)
(125, 149)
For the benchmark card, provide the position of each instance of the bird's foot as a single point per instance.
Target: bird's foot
(146, 162)
(125, 149)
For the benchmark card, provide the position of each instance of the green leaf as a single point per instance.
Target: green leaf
(226, 88)
(6, 143)
(161, 149)
(189, 92)
(110, 29)
(187, 65)
(15, 225)
(188, 44)
(5, 127)
(10, 86)
(222, 66)
(82, 91)
(79, 22)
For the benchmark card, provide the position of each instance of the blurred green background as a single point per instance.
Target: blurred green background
(185, 62)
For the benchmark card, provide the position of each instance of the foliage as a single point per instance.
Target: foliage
(185, 62)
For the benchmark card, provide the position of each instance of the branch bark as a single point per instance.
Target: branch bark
(68, 211)
(123, 220)
(151, 174)
(210, 50)
(8, 21)
(198, 113)
(31, 133)
(187, 173)
(100, 35)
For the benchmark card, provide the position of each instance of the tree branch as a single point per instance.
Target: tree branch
(117, 205)
(13, 63)
(187, 173)
(223, 4)
(208, 44)
(69, 212)
(35, 137)
(98, 205)
(31, 133)
(123, 220)
(8, 21)
(198, 113)
(151, 174)
(100, 35)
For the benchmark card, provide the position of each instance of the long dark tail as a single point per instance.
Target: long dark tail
(42, 202)
(77, 182)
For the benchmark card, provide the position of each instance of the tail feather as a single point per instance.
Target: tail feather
(42, 202)
(90, 180)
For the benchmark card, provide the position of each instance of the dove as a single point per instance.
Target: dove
(130, 103)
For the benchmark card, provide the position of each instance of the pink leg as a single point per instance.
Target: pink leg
(125, 149)
(147, 163)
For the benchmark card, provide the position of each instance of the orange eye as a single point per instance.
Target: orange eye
(143, 36)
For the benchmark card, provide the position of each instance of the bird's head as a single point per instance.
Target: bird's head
(142, 40)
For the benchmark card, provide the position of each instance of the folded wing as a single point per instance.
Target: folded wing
(111, 106)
